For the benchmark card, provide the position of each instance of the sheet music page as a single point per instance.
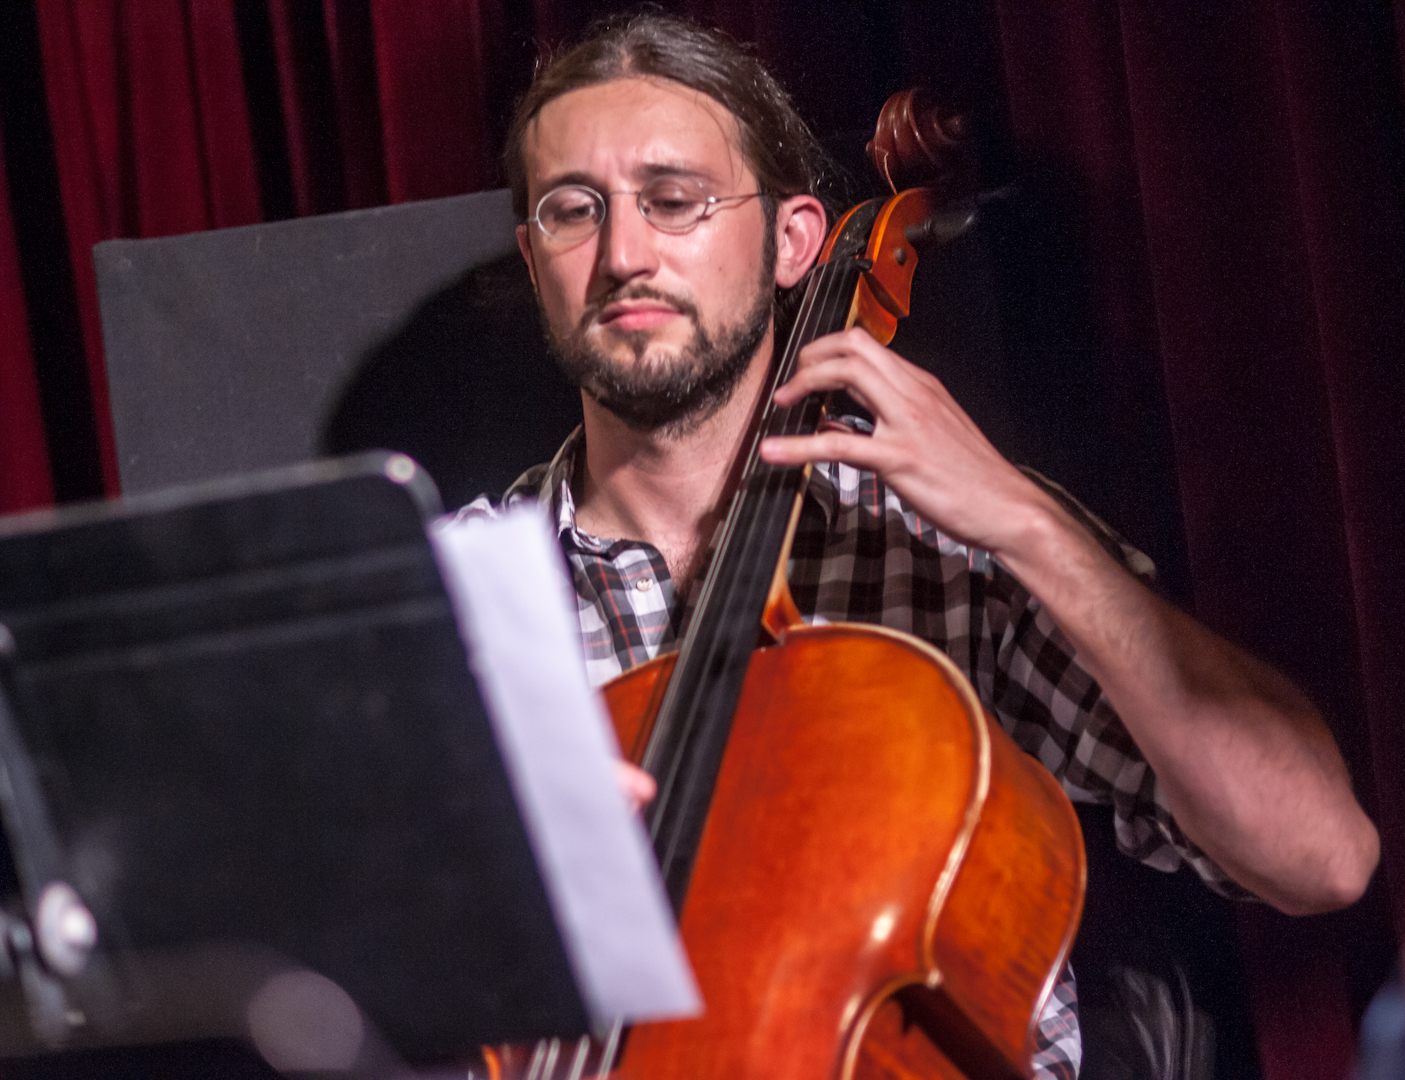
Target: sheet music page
(516, 613)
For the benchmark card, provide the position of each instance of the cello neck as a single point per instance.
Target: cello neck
(689, 736)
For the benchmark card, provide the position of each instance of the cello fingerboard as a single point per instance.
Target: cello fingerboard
(689, 737)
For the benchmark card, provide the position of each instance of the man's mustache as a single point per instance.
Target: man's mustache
(636, 292)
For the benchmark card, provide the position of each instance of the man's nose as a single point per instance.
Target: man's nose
(627, 241)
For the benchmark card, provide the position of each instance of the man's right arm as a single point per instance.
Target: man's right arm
(1249, 769)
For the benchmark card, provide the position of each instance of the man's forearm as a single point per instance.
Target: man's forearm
(1249, 769)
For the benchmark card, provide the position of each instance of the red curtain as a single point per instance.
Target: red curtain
(1224, 272)
(1243, 170)
(24, 455)
(151, 137)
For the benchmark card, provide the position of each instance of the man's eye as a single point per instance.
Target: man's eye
(672, 203)
(583, 211)
(570, 210)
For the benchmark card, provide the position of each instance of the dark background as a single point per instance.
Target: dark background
(1198, 310)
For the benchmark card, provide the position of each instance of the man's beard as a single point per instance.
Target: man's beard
(671, 395)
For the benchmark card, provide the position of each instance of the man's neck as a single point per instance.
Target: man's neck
(668, 491)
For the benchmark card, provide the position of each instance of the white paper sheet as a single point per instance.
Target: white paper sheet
(515, 611)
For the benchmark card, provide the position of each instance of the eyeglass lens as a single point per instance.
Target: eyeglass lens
(574, 212)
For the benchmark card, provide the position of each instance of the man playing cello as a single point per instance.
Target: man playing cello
(668, 193)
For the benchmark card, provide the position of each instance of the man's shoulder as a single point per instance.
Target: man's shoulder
(854, 498)
(529, 486)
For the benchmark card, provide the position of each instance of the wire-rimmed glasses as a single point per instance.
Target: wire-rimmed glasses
(672, 204)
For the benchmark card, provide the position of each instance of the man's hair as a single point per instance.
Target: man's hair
(775, 142)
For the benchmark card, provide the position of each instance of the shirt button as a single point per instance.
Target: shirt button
(644, 584)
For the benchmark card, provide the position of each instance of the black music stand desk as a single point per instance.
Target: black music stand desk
(237, 721)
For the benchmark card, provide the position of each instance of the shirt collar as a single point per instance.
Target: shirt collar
(555, 489)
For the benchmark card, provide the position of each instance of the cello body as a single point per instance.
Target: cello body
(886, 887)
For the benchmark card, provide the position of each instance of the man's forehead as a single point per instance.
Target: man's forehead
(641, 116)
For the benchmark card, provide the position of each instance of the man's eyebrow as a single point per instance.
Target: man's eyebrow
(668, 168)
(647, 172)
(564, 179)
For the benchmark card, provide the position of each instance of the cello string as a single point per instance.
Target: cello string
(742, 533)
(804, 415)
(748, 525)
(819, 295)
(775, 480)
(683, 708)
(578, 1062)
(669, 708)
(747, 518)
(534, 1069)
(756, 503)
(794, 418)
(806, 331)
(612, 1045)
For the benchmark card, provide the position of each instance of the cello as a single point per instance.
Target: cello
(871, 879)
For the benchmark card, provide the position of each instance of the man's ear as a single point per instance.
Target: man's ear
(800, 232)
(524, 245)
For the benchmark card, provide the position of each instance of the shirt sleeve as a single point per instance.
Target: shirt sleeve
(1055, 710)
(1058, 1042)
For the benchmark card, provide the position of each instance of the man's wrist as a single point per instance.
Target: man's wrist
(1045, 544)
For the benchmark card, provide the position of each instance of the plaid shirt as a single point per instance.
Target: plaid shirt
(860, 555)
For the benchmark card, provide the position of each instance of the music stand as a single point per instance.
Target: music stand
(237, 721)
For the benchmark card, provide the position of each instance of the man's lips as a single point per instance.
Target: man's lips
(636, 315)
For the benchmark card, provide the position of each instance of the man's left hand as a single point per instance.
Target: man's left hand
(923, 445)
(1246, 763)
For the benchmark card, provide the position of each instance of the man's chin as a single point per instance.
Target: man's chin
(655, 382)
(648, 414)
(639, 350)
